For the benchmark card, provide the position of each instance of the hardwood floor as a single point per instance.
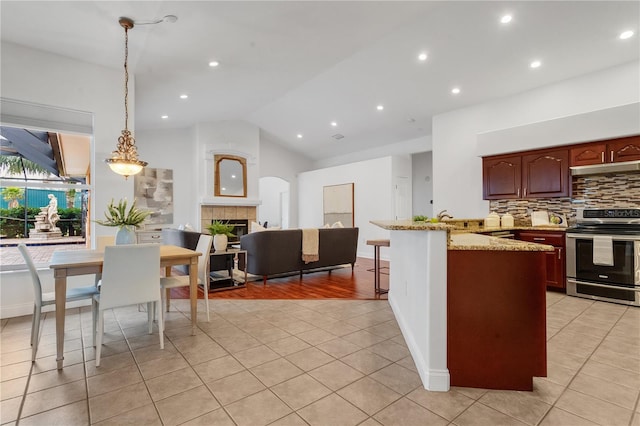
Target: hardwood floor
(338, 284)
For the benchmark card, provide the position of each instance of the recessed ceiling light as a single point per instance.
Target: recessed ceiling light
(455, 90)
(299, 135)
(506, 19)
(334, 124)
(625, 35)
(184, 96)
(233, 176)
(535, 64)
(214, 63)
(380, 107)
(422, 56)
(164, 117)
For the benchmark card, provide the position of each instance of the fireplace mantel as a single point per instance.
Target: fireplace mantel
(229, 201)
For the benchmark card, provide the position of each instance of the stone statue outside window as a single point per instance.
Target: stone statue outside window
(45, 226)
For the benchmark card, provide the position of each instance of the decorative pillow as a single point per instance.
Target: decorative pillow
(326, 225)
(338, 224)
(256, 227)
(274, 228)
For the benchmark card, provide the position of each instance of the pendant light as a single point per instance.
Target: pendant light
(124, 160)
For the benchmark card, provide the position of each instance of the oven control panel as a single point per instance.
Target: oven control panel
(611, 213)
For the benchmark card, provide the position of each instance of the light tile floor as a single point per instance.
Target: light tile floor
(299, 362)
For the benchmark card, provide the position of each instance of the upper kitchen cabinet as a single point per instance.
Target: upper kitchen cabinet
(546, 174)
(530, 174)
(501, 177)
(624, 149)
(609, 151)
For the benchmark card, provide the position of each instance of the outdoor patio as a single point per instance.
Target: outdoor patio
(41, 251)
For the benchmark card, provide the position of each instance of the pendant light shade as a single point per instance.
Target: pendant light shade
(124, 160)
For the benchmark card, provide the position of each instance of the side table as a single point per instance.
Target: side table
(224, 260)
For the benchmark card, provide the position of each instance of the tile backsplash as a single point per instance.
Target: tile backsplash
(618, 190)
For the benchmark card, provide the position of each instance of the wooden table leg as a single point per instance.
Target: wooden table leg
(61, 300)
(167, 273)
(193, 290)
(376, 269)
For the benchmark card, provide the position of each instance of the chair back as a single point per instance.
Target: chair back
(204, 246)
(35, 278)
(130, 275)
(105, 240)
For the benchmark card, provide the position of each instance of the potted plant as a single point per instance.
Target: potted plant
(126, 220)
(220, 231)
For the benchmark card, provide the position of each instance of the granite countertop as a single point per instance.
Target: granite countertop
(470, 241)
(408, 225)
(467, 239)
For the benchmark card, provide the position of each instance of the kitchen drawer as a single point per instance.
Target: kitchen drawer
(556, 239)
(146, 237)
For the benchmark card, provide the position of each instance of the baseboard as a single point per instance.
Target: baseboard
(433, 380)
(23, 309)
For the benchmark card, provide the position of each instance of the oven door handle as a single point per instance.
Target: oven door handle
(590, 237)
(635, 288)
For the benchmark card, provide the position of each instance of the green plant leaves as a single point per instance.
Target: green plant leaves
(117, 215)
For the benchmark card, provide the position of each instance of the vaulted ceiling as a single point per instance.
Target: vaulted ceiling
(294, 67)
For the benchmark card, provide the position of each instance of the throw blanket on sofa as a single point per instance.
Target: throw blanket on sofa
(310, 242)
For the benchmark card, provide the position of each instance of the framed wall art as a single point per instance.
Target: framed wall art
(337, 204)
(153, 189)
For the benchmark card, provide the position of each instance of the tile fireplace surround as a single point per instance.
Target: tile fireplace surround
(208, 213)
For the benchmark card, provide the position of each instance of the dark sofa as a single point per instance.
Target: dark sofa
(277, 252)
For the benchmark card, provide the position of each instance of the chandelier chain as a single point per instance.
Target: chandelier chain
(126, 78)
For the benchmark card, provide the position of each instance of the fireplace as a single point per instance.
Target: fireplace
(239, 216)
(240, 228)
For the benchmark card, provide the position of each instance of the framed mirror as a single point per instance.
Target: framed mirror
(230, 176)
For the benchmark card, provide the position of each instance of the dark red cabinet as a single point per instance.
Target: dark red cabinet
(502, 177)
(556, 260)
(609, 151)
(531, 174)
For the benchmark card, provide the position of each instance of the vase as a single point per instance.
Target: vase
(126, 235)
(220, 242)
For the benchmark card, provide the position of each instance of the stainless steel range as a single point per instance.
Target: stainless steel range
(603, 256)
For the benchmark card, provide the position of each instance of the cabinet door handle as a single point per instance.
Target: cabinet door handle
(612, 156)
(155, 237)
(602, 157)
(518, 192)
(525, 191)
(559, 253)
(539, 239)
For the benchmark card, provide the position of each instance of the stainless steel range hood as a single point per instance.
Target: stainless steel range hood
(600, 169)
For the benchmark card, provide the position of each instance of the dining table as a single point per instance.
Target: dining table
(86, 262)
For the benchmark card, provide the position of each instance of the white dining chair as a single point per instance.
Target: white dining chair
(130, 275)
(204, 246)
(44, 299)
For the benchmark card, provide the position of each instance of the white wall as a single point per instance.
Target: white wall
(178, 152)
(422, 167)
(272, 190)
(373, 197)
(34, 76)
(457, 170)
(401, 148)
(234, 137)
(279, 162)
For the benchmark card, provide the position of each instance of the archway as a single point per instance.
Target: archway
(275, 206)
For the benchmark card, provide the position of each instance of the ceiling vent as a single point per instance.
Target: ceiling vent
(338, 136)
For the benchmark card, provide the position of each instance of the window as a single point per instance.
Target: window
(45, 193)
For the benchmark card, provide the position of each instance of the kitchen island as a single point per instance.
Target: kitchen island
(471, 307)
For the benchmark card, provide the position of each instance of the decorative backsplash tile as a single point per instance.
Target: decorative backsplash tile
(620, 190)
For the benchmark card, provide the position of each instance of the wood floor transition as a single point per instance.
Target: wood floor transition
(338, 284)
